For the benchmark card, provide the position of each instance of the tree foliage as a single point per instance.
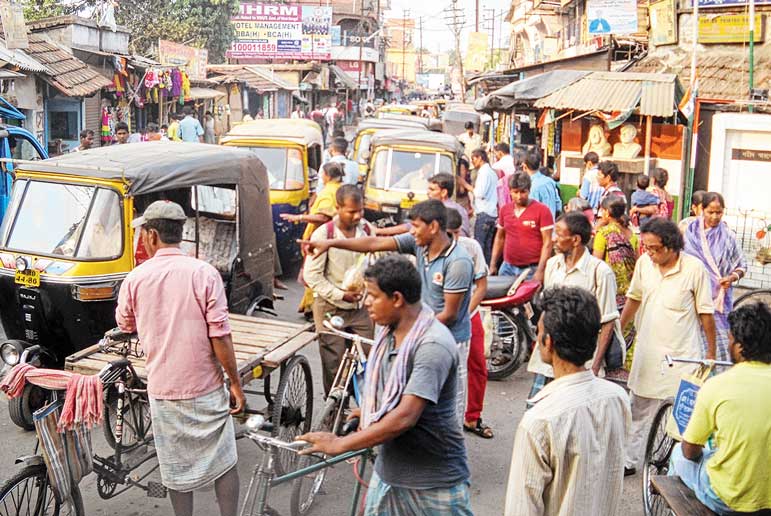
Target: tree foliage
(199, 23)
(38, 9)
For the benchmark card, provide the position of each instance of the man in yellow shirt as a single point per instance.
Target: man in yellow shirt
(173, 131)
(735, 408)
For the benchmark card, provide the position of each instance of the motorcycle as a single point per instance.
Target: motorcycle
(511, 323)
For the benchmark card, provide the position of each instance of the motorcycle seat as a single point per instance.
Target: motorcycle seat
(498, 286)
(524, 293)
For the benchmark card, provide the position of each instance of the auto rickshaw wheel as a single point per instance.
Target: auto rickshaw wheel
(292, 410)
(21, 409)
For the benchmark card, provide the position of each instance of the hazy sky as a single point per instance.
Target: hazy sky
(436, 35)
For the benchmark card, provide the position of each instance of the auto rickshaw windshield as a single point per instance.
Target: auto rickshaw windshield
(364, 145)
(408, 171)
(73, 221)
(285, 166)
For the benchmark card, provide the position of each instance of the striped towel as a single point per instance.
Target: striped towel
(83, 397)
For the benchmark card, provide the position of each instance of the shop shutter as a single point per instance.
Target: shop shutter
(93, 117)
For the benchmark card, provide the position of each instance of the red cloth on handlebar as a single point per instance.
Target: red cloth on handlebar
(83, 397)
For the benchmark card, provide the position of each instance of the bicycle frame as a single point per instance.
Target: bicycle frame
(263, 480)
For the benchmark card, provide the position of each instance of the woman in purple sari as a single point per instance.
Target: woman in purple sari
(710, 240)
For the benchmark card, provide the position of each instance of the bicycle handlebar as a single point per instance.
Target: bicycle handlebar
(344, 334)
(670, 360)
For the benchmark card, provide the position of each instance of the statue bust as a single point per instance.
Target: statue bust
(597, 142)
(627, 148)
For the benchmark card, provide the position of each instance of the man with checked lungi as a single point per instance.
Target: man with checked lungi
(408, 403)
(177, 305)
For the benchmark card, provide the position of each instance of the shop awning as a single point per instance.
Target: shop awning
(527, 90)
(716, 68)
(9, 74)
(254, 76)
(347, 81)
(647, 93)
(65, 72)
(205, 93)
(20, 59)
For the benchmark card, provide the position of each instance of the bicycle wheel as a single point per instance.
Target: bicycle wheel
(753, 297)
(305, 489)
(658, 449)
(28, 493)
(137, 424)
(292, 410)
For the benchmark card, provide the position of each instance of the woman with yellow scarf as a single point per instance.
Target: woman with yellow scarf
(321, 211)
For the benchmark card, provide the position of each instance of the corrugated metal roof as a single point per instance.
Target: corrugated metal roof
(21, 59)
(651, 94)
(254, 76)
(65, 72)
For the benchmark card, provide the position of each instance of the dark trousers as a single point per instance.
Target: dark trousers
(332, 347)
(484, 233)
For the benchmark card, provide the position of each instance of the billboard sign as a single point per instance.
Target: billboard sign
(192, 59)
(611, 16)
(282, 31)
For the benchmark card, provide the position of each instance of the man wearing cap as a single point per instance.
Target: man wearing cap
(177, 305)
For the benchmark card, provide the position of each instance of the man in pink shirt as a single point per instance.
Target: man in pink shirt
(505, 167)
(177, 305)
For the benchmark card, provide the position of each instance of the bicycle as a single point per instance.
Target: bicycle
(30, 490)
(659, 444)
(344, 386)
(263, 478)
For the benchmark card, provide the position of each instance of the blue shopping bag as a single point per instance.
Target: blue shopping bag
(685, 400)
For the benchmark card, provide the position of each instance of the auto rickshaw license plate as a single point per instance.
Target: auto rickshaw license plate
(406, 204)
(28, 278)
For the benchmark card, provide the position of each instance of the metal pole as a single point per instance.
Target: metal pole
(751, 108)
(361, 45)
(695, 38)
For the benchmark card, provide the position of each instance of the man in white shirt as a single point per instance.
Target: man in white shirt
(471, 140)
(337, 154)
(568, 455)
(573, 265)
(672, 292)
(485, 202)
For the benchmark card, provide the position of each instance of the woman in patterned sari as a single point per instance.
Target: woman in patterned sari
(617, 245)
(710, 240)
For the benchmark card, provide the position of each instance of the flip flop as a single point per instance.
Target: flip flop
(480, 429)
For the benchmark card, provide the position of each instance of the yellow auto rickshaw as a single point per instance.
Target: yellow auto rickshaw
(66, 242)
(401, 164)
(291, 151)
(366, 129)
(397, 109)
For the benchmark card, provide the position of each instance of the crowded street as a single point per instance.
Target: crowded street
(489, 459)
(375, 258)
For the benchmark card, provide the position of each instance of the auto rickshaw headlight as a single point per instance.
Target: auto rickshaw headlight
(22, 264)
(10, 352)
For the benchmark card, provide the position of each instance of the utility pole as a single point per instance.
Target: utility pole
(454, 17)
(405, 14)
(361, 51)
(491, 28)
(420, 50)
(476, 16)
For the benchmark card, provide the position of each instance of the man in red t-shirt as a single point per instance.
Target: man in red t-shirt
(524, 233)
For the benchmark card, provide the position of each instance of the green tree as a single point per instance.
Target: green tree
(37, 9)
(199, 23)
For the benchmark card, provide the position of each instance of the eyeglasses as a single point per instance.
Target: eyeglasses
(654, 249)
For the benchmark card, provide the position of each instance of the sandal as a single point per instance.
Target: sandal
(480, 429)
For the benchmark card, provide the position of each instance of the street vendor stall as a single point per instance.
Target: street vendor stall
(629, 118)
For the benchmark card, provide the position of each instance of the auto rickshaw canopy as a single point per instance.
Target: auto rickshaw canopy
(302, 131)
(157, 166)
(390, 123)
(430, 139)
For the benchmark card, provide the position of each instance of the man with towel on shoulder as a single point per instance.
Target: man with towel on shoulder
(177, 305)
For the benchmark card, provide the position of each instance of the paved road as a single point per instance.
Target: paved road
(489, 459)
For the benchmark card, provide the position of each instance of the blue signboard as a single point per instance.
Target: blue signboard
(729, 3)
(337, 35)
(684, 403)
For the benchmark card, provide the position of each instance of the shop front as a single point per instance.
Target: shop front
(628, 118)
